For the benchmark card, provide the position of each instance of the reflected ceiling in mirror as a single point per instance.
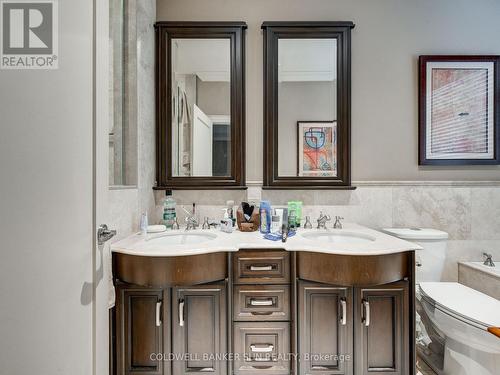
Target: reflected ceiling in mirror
(201, 107)
(307, 107)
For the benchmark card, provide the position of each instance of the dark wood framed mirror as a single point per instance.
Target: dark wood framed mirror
(307, 105)
(200, 105)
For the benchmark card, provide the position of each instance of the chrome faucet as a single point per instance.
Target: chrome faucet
(191, 222)
(338, 223)
(322, 220)
(488, 260)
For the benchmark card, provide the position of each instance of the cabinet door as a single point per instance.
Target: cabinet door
(381, 330)
(325, 329)
(140, 313)
(199, 327)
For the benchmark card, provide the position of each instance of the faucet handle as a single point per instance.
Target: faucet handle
(206, 224)
(175, 225)
(338, 222)
(488, 261)
(307, 224)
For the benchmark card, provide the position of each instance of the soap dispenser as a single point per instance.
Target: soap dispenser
(226, 222)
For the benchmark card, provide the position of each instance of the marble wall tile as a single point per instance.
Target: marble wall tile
(478, 280)
(145, 18)
(485, 217)
(123, 214)
(366, 206)
(464, 251)
(372, 207)
(447, 209)
(282, 197)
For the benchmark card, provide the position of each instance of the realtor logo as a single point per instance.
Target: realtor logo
(29, 34)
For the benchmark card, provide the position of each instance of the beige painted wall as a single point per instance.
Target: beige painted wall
(389, 36)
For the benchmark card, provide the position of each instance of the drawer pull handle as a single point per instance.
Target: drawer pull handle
(181, 313)
(261, 348)
(366, 317)
(261, 302)
(261, 312)
(158, 311)
(261, 268)
(343, 319)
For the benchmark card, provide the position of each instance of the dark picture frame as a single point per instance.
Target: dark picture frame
(459, 110)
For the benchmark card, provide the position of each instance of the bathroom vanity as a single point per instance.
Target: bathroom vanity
(324, 302)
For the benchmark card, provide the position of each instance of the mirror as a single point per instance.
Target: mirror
(201, 115)
(307, 104)
(200, 120)
(307, 107)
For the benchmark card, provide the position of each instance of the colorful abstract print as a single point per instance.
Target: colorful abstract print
(319, 151)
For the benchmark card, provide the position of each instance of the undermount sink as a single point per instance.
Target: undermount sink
(339, 236)
(181, 239)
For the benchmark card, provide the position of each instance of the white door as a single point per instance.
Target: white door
(202, 143)
(47, 224)
(102, 256)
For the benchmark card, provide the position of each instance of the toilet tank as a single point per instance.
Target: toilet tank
(430, 260)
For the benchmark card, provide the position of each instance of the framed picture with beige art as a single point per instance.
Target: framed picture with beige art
(459, 110)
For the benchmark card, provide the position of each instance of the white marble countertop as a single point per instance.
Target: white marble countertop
(353, 239)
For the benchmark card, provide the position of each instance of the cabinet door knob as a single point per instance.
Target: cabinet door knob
(158, 312)
(181, 313)
(366, 317)
(343, 304)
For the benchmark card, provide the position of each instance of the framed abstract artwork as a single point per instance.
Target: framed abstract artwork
(459, 110)
(317, 148)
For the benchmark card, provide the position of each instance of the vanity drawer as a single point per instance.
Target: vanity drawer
(261, 267)
(262, 348)
(261, 302)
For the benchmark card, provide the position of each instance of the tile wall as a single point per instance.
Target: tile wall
(469, 212)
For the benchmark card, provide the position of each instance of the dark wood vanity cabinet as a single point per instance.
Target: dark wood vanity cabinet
(381, 331)
(364, 326)
(324, 326)
(172, 330)
(140, 314)
(274, 312)
(199, 328)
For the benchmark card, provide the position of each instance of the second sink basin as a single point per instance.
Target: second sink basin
(181, 239)
(339, 236)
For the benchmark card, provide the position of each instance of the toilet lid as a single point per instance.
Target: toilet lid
(463, 302)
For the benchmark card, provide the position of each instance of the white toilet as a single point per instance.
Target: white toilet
(452, 319)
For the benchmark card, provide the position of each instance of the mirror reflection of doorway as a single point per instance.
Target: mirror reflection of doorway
(201, 115)
(221, 145)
